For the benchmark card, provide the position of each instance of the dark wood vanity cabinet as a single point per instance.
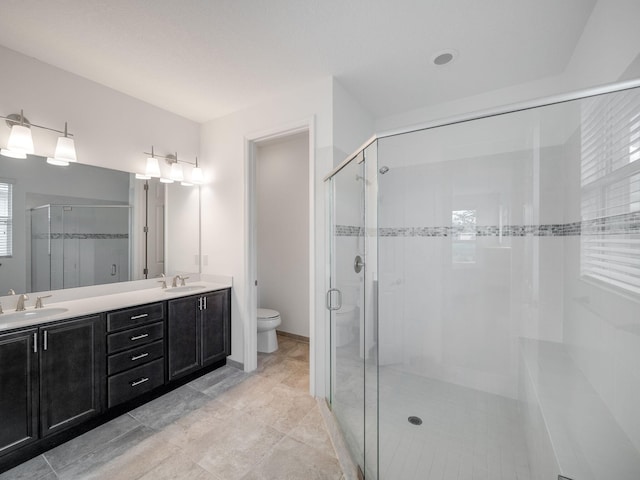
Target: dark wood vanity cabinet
(198, 332)
(18, 389)
(71, 373)
(135, 348)
(50, 379)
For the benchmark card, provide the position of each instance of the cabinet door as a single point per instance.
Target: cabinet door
(18, 390)
(216, 327)
(71, 373)
(183, 336)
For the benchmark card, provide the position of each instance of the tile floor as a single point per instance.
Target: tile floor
(226, 425)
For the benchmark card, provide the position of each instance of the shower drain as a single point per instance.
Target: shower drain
(415, 420)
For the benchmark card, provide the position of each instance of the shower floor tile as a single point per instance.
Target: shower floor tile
(465, 434)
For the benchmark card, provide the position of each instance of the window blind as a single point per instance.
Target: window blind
(610, 189)
(6, 213)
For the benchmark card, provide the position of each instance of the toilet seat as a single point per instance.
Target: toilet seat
(265, 313)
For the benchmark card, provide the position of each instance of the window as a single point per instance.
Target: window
(610, 184)
(463, 224)
(6, 214)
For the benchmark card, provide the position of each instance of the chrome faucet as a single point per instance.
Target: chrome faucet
(12, 291)
(1, 312)
(39, 303)
(182, 279)
(20, 305)
(163, 281)
(174, 283)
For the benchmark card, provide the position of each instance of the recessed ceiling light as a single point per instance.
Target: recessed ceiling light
(444, 57)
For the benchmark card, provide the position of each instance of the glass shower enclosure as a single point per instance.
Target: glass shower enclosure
(79, 245)
(484, 296)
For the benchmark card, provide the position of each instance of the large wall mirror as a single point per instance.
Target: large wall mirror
(82, 225)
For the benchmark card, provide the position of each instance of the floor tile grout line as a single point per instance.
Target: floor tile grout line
(50, 466)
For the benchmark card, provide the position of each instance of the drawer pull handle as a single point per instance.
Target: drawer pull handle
(135, 383)
(136, 317)
(138, 337)
(138, 357)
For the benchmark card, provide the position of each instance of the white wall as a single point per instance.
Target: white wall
(282, 198)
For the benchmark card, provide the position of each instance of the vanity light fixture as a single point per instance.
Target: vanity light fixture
(20, 142)
(153, 167)
(176, 173)
(65, 150)
(197, 176)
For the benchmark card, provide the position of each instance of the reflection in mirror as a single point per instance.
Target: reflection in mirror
(79, 225)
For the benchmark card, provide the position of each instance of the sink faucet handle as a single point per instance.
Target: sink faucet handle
(12, 291)
(182, 279)
(163, 282)
(174, 282)
(20, 305)
(1, 312)
(39, 303)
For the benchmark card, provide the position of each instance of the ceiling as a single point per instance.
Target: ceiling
(203, 59)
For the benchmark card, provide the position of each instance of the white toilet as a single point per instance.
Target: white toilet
(346, 323)
(268, 320)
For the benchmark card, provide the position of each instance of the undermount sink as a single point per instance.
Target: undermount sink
(184, 288)
(33, 314)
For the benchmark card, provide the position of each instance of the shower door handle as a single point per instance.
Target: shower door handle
(329, 296)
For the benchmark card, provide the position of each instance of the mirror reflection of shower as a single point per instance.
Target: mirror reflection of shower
(79, 245)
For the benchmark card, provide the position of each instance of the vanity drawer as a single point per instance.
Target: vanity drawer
(135, 337)
(132, 317)
(134, 382)
(132, 358)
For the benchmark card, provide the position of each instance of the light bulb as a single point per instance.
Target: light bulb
(65, 150)
(153, 167)
(197, 176)
(20, 140)
(176, 172)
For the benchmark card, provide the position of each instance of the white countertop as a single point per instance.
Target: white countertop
(100, 303)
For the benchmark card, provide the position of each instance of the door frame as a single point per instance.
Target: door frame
(251, 142)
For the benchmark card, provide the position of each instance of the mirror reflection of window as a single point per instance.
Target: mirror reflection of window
(463, 234)
(6, 220)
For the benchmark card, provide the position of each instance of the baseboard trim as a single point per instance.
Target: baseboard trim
(299, 338)
(233, 363)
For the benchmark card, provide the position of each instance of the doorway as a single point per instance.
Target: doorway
(296, 132)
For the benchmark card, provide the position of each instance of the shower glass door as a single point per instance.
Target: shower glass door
(350, 300)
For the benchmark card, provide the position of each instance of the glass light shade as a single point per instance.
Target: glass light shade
(197, 176)
(176, 172)
(9, 153)
(141, 176)
(65, 150)
(20, 140)
(57, 162)
(153, 168)
(186, 184)
(165, 180)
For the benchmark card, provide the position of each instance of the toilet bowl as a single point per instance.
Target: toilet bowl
(268, 320)
(346, 323)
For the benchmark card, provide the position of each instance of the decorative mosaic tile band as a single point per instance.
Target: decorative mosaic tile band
(349, 231)
(628, 223)
(80, 236)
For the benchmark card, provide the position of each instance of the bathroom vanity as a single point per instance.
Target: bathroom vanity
(95, 358)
